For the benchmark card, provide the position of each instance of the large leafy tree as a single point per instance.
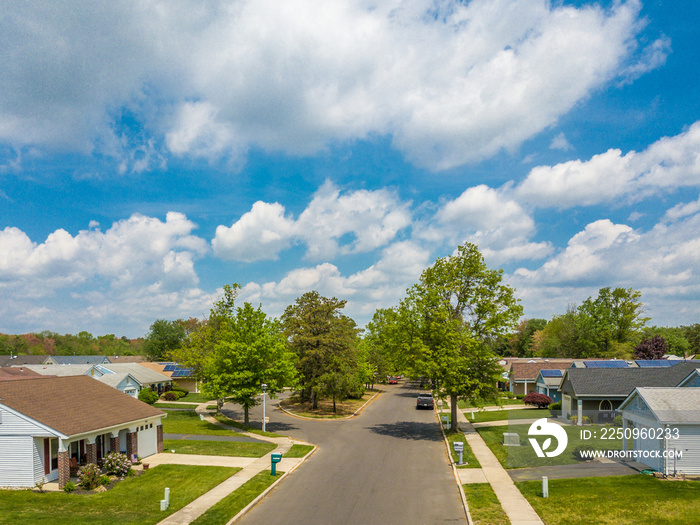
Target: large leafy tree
(163, 338)
(651, 348)
(325, 343)
(250, 351)
(456, 307)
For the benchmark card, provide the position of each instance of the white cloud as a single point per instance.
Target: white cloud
(451, 83)
(561, 143)
(371, 218)
(667, 164)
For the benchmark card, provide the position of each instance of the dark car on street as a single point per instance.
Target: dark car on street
(425, 401)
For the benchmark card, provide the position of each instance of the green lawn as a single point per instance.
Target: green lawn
(196, 398)
(466, 403)
(506, 415)
(524, 455)
(232, 504)
(298, 451)
(132, 501)
(230, 422)
(218, 448)
(180, 422)
(190, 406)
(484, 506)
(617, 500)
(467, 454)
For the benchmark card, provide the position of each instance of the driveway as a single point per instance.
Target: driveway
(388, 465)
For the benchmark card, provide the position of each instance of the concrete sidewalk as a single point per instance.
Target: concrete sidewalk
(514, 504)
(250, 468)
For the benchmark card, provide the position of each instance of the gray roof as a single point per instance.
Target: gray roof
(22, 360)
(59, 370)
(79, 359)
(672, 405)
(621, 382)
(113, 380)
(142, 374)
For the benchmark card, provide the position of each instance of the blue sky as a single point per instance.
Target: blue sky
(151, 153)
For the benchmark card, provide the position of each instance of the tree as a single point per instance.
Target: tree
(653, 348)
(521, 342)
(163, 338)
(325, 342)
(457, 306)
(250, 352)
(537, 399)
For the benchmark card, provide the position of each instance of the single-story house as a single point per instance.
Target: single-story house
(127, 359)
(597, 393)
(48, 424)
(667, 424)
(179, 374)
(124, 382)
(692, 381)
(548, 382)
(76, 360)
(522, 377)
(10, 360)
(145, 376)
(11, 373)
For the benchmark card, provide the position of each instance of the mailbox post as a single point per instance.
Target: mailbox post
(459, 448)
(274, 458)
(264, 387)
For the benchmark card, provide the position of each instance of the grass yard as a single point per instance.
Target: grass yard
(232, 504)
(189, 406)
(182, 422)
(218, 448)
(230, 422)
(325, 406)
(617, 500)
(506, 415)
(298, 451)
(484, 506)
(132, 501)
(467, 454)
(466, 403)
(193, 397)
(524, 455)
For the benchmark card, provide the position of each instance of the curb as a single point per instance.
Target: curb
(344, 418)
(269, 489)
(454, 471)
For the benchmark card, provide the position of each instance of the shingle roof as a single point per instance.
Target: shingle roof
(11, 373)
(59, 370)
(673, 405)
(80, 359)
(22, 360)
(73, 405)
(529, 371)
(620, 382)
(142, 374)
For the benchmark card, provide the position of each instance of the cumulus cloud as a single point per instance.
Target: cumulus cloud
(667, 164)
(450, 83)
(371, 219)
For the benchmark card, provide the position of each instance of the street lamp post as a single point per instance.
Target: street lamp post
(264, 387)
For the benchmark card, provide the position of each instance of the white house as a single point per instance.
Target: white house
(50, 424)
(123, 381)
(664, 424)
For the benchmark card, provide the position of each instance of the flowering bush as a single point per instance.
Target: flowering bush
(89, 476)
(117, 464)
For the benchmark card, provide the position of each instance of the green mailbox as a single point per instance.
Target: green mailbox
(275, 458)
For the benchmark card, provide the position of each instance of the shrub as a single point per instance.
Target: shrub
(148, 396)
(170, 396)
(70, 487)
(578, 452)
(519, 396)
(117, 464)
(105, 480)
(537, 399)
(89, 476)
(178, 388)
(586, 420)
(573, 419)
(617, 422)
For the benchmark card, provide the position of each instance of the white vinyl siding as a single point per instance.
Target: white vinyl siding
(16, 466)
(650, 445)
(13, 425)
(689, 444)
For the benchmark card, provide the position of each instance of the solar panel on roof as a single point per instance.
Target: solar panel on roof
(169, 368)
(551, 373)
(606, 364)
(654, 363)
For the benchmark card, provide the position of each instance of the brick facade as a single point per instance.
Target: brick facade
(63, 469)
(114, 444)
(91, 452)
(132, 444)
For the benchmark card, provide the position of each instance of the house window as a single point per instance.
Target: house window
(605, 405)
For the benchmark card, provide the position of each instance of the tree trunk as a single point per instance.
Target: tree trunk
(219, 405)
(453, 413)
(334, 410)
(245, 416)
(314, 400)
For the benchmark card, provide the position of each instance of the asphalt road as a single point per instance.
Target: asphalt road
(388, 465)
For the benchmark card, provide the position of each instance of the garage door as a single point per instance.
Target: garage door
(147, 440)
(649, 445)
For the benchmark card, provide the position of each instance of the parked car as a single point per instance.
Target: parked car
(425, 401)
(393, 380)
